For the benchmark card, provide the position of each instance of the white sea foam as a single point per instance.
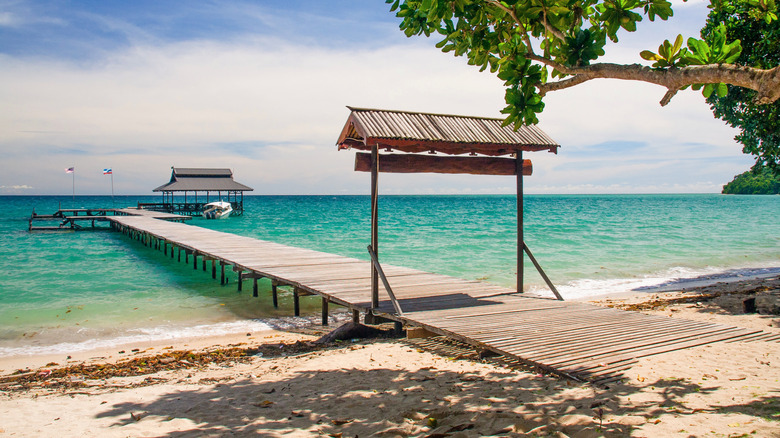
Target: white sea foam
(166, 333)
(672, 279)
(141, 335)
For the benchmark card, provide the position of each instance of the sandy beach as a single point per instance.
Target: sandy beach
(282, 384)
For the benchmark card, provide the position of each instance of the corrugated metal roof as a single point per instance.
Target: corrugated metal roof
(203, 180)
(414, 132)
(201, 172)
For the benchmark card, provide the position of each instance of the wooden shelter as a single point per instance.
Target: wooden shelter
(211, 184)
(472, 145)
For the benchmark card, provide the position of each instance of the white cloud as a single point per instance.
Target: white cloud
(272, 110)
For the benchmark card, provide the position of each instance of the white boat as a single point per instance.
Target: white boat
(217, 210)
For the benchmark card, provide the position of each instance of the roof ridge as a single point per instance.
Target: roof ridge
(351, 108)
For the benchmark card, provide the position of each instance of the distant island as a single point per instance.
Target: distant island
(765, 182)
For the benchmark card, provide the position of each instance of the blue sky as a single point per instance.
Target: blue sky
(262, 87)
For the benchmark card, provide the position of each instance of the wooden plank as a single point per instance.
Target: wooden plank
(571, 338)
(409, 163)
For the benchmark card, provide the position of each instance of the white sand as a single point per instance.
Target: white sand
(393, 388)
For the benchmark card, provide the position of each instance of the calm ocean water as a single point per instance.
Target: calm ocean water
(62, 292)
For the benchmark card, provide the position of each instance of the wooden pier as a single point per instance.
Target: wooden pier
(73, 219)
(574, 339)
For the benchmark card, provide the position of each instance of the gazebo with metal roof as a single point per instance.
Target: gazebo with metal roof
(474, 145)
(212, 184)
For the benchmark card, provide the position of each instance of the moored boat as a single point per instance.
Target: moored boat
(217, 210)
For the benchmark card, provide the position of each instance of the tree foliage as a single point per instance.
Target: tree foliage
(762, 182)
(539, 46)
(760, 40)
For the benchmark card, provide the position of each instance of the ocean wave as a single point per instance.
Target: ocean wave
(676, 278)
(140, 335)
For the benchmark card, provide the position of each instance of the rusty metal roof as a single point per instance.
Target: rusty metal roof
(420, 132)
(202, 180)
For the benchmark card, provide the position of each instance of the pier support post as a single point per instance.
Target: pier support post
(240, 279)
(274, 293)
(296, 303)
(194, 260)
(324, 311)
(179, 256)
(355, 316)
(222, 268)
(254, 287)
(173, 249)
(375, 223)
(165, 248)
(398, 328)
(204, 263)
(520, 254)
(214, 269)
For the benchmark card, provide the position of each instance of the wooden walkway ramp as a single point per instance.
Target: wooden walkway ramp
(575, 339)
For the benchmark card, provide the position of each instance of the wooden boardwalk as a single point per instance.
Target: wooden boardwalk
(575, 339)
(72, 219)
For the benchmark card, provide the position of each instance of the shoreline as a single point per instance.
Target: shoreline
(421, 387)
(32, 360)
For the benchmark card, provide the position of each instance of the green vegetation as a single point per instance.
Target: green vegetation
(758, 182)
(541, 46)
(759, 124)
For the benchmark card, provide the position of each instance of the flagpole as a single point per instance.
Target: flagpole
(74, 184)
(112, 188)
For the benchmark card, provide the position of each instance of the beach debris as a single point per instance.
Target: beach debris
(341, 421)
(754, 296)
(77, 374)
(136, 417)
(461, 427)
(264, 404)
(351, 330)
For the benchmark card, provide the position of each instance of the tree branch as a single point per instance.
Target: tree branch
(562, 84)
(765, 82)
(557, 33)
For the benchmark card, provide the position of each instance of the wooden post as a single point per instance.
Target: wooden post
(519, 161)
(240, 279)
(374, 223)
(296, 303)
(542, 273)
(355, 316)
(214, 269)
(274, 291)
(254, 287)
(222, 276)
(179, 256)
(194, 260)
(324, 311)
(204, 263)
(165, 248)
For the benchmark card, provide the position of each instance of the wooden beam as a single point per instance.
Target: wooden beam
(452, 148)
(403, 163)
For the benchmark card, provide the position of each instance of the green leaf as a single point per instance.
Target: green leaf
(648, 55)
(722, 90)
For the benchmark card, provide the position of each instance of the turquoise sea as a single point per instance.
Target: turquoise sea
(62, 292)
